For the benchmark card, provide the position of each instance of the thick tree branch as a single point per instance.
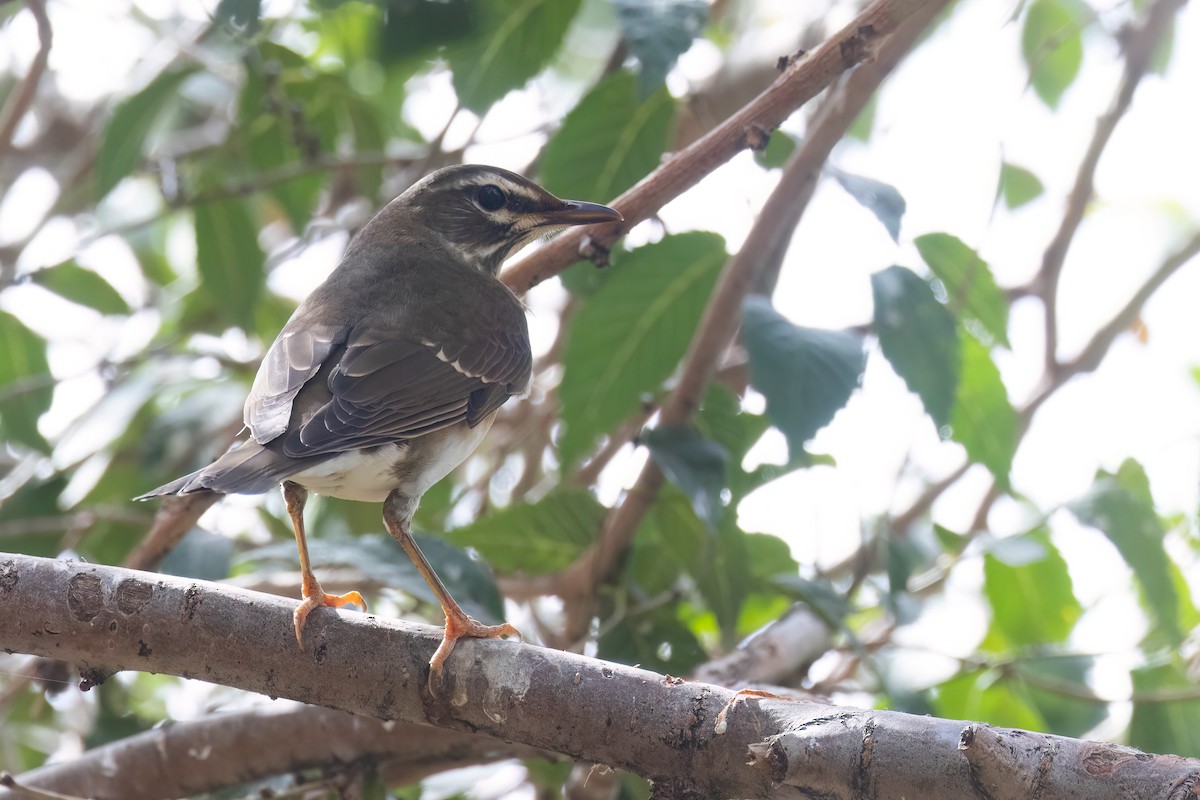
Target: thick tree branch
(107, 619)
(224, 750)
(803, 78)
(1141, 43)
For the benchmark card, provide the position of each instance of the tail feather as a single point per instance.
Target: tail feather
(247, 468)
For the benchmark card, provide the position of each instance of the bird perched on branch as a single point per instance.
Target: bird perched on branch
(388, 376)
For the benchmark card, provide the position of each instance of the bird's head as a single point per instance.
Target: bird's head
(486, 214)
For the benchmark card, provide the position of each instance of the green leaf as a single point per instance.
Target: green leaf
(864, 123)
(1018, 186)
(415, 30)
(1065, 714)
(1162, 725)
(820, 595)
(80, 285)
(1052, 46)
(988, 696)
(777, 152)
(380, 558)
(1120, 506)
(517, 39)
(658, 33)
(983, 421)
(628, 338)
(881, 199)
(123, 143)
(230, 260)
(1033, 603)
(806, 374)
(919, 337)
(608, 142)
(26, 386)
(535, 537)
(696, 464)
(971, 291)
(654, 640)
(716, 560)
(241, 16)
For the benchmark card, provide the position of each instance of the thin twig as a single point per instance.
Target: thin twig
(1141, 43)
(716, 330)
(802, 79)
(19, 101)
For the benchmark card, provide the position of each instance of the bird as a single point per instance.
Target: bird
(390, 373)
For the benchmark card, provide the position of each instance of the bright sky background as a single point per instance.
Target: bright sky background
(947, 117)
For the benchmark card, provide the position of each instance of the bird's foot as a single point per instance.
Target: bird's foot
(459, 625)
(315, 597)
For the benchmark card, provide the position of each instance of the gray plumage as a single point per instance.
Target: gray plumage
(411, 334)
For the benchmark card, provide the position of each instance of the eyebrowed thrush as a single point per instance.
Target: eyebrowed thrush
(388, 376)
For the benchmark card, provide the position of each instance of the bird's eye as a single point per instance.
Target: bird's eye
(491, 198)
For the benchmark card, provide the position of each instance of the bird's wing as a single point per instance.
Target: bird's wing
(388, 388)
(293, 359)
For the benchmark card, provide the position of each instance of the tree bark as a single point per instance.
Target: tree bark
(106, 619)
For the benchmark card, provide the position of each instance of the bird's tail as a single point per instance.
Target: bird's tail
(247, 468)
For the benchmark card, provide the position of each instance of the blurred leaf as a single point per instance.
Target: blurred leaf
(200, 554)
(768, 555)
(515, 41)
(919, 336)
(123, 143)
(1120, 507)
(535, 537)
(984, 422)
(380, 558)
(415, 29)
(658, 32)
(820, 595)
(1031, 604)
(1018, 186)
(230, 260)
(716, 559)
(1052, 46)
(951, 542)
(806, 374)
(696, 464)
(778, 150)
(242, 16)
(985, 695)
(881, 199)
(971, 291)
(26, 386)
(608, 142)
(1165, 725)
(654, 640)
(80, 285)
(629, 337)
(1065, 715)
(864, 123)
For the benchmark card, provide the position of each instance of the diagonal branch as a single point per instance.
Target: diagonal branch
(762, 251)
(1140, 44)
(107, 619)
(804, 77)
(18, 102)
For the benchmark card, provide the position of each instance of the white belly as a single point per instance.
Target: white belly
(371, 475)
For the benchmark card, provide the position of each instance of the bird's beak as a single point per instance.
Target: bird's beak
(577, 212)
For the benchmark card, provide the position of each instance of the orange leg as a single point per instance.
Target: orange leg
(294, 497)
(397, 516)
